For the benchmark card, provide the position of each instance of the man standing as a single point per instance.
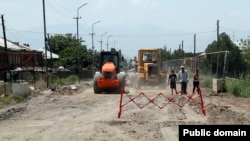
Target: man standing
(172, 79)
(183, 78)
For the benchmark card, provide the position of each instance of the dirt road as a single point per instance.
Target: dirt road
(84, 116)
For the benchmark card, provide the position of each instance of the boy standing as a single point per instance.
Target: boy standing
(172, 79)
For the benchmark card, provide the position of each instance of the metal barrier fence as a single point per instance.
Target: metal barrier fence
(175, 99)
(32, 76)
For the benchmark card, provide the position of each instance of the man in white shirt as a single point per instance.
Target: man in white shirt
(183, 78)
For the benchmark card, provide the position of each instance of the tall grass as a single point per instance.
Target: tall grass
(72, 79)
(4, 101)
(238, 87)
(56, 81)
(206, 81)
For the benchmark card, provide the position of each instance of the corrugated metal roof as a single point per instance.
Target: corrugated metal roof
(16, 46)
(12, 45)
(52, 55)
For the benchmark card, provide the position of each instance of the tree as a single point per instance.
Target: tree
(69, 49)
(235, 62)
(165, 54)
(59, 42)
(246, 49)
(178, 54)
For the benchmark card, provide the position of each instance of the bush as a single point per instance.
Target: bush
(4, 101)
(33, 78)
(206, 81)
(72, 79)
(238, 87)
(19, 98)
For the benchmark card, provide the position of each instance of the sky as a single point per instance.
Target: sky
(130, 24)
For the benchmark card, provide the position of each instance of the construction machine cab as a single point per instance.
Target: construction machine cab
(149, 69)
(109, 78)
(149, 56)
(110, 56)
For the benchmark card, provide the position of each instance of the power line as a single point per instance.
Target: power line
(160, 35)
(26, 31)
(58, 8)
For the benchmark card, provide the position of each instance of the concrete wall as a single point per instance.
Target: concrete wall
(218, 85)
(22, 89)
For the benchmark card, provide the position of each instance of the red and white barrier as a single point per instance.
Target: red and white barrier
(168, 100)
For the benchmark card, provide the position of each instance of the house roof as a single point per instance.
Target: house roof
(13, 45)
(17, 46)
(49, 54)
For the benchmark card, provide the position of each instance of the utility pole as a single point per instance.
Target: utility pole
(195, 51)
(45, 44)
(194, 45)
(170, 53)
(182, 45)
(7, 75)
(77, 36)
(93, 63)
(77, 18)
(218, 30)
(108, 42)
(179, 54)
(49, 45)
(101, 40)
(114, 42)
(51, 60)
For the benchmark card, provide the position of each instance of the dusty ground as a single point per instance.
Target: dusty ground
(85, 116)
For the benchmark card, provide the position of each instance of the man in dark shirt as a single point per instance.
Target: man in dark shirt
(196, 79)
(172, 80)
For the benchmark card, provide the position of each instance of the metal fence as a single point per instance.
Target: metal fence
(32, 76)
(190, 64)
(216, 69)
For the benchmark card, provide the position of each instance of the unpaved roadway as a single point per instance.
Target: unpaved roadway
(85, 116)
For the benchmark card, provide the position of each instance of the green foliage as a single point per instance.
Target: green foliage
(4, 101)
(245, 44)
(31, 78)
(238, 87)
(72, 79)
(7, 100)
(19, 98)
(69, 49)
(59, 42)
(5, 88)
(165, 54)
(206, 81)
(10, 99)
(235, 62)
(177, 54)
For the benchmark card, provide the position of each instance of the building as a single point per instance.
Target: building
(18, 57)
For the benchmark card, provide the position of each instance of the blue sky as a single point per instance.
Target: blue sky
(133, 24)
